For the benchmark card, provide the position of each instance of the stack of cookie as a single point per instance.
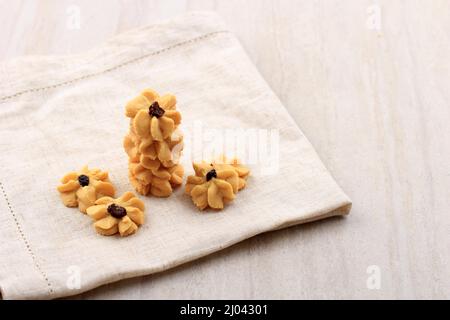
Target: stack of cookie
(154, 144)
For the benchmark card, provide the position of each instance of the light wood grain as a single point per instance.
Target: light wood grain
(374, 103)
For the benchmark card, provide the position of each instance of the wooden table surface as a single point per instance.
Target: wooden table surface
(368, 82)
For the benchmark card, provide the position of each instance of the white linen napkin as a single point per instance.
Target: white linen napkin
(59, 113)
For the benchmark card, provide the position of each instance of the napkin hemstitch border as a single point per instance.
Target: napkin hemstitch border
(25, 240)
(6, 98)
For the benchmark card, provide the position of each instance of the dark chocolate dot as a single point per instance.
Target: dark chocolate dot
(83, 180)
(155, 110)
(117, 211)
(211, 174)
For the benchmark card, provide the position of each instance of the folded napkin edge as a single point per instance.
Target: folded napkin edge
(210, 21)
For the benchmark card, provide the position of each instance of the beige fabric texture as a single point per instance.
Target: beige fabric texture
(59, 113)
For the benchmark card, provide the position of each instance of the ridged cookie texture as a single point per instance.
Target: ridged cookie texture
(216, 183)
(82, 188)
(154, 144)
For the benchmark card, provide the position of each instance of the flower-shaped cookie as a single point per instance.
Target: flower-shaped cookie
(212, 187)
(122, 215)
(157, 182)
(161, 153)
(83, 188)
(153, 154)
(242, 171)
(153, 115)
(202, 168)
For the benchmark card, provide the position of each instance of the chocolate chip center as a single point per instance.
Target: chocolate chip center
(83, 180)
(155, 110)
(117, 211)
(211, 174)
